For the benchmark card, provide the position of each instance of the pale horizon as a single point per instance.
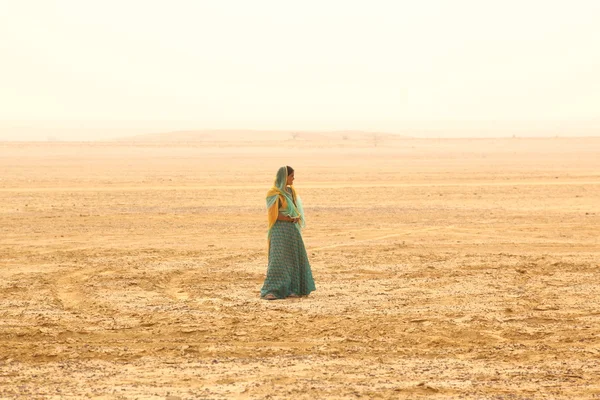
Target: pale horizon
(42, 131)
(91, 71)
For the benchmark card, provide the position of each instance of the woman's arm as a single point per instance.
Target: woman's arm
(283, 217)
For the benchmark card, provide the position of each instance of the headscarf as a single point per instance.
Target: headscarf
(278, 192)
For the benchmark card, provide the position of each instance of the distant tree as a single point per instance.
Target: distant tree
(295, 135)
(376, 139)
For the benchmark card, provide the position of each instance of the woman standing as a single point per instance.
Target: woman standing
(289, 273)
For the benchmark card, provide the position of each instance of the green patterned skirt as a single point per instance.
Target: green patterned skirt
(289, 271)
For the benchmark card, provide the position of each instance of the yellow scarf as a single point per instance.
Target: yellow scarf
(278, 198)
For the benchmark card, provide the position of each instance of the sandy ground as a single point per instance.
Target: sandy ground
(444, 269)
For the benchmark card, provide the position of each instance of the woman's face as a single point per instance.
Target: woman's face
(290, 179)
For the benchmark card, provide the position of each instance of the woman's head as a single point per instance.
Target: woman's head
(284, 177)
(290, 175)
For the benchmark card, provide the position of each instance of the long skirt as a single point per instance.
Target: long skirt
(289, 271)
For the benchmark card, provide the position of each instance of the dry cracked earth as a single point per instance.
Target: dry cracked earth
(444, 269)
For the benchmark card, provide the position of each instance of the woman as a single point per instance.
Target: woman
(288, 274)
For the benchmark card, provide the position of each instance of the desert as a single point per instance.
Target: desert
(445, 268)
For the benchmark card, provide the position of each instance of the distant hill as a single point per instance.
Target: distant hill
(161, 132)
(258, 136)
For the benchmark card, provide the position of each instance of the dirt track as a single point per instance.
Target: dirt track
(444, 268)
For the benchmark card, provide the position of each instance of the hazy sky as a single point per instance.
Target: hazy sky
(280, 64)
